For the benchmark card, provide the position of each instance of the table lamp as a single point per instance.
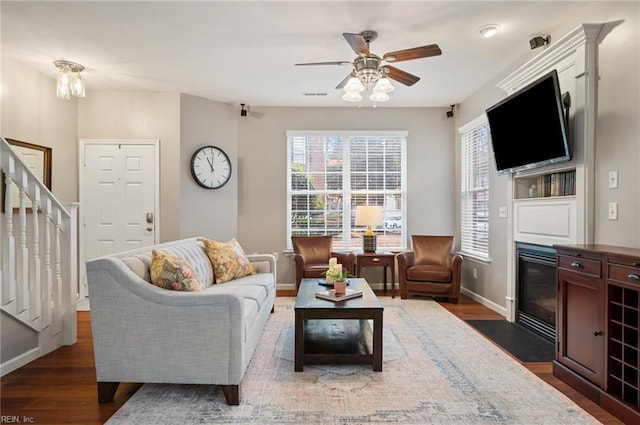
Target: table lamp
(368, 215)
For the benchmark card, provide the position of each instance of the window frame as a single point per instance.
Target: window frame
(469, 234)
(345, 243)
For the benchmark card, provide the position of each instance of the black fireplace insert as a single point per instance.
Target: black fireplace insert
(536, 289)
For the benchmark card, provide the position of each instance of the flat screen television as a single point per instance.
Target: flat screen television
(528, 128)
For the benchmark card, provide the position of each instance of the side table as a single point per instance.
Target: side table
(373, 259)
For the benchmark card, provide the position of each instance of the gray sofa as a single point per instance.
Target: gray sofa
(142, 333)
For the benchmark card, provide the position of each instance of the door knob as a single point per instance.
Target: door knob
(597, 333)
(149, 228)
(149, 218)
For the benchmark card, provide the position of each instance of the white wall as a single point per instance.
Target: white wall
(262, 163)
(127, 115)
(31, 113)
(617, 141)
(208, 212)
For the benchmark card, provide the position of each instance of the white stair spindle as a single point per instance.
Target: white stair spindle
(35, 301)
(8, 248)
(57, 278)
(48, 274)
(22, 275)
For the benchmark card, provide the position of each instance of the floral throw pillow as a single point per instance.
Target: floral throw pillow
(228, 260)
(173, 273)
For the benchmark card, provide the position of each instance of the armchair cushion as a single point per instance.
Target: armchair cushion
(432, 249)
(429, 273)
(315, 250)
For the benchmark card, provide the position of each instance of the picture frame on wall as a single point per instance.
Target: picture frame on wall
(38, 159)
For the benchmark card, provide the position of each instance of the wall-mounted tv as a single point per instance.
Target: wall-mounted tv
(528, 128)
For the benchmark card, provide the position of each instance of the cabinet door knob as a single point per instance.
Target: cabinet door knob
(375, 260)
(576, 264)
(597, 333)
(634, 276)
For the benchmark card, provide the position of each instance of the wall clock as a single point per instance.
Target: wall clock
(210, 167)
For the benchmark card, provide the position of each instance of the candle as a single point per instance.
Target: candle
(332, 262)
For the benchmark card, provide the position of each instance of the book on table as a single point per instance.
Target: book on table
(331, 295)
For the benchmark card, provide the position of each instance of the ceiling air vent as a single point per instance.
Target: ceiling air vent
(314, 94)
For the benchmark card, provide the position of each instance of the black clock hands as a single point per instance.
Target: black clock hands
(210, 163)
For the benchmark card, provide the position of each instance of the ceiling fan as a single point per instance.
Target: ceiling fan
(368, 68)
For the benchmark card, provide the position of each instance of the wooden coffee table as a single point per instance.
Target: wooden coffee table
(328, 332)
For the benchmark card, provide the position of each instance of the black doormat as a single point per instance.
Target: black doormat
(523, 344)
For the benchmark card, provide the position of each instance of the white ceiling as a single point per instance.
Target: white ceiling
(244, 52)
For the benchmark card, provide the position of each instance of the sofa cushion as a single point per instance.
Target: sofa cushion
(228, 260)
(173, 273)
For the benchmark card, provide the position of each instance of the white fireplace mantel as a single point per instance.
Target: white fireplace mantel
(546, 221)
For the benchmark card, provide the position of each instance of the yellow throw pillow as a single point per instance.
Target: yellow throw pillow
(228, 260)
(173, 273)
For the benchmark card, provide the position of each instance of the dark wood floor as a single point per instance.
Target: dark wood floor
(60, 388)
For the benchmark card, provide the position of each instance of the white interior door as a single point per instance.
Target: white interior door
(120, 196)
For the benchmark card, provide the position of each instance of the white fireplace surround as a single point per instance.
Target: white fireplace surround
(566, 219)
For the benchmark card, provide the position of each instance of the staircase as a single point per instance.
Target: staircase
(38, 261)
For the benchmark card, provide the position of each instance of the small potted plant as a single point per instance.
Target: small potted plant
(339, 278)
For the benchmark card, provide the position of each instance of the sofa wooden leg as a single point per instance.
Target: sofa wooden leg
(232, 394)
(106, 391)
(273, 308)
(454, 300)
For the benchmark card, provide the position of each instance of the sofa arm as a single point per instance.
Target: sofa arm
(261, 259)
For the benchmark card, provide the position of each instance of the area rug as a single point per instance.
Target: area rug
(436, 369)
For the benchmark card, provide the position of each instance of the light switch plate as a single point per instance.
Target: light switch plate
(613, 179)
(502, 212)
(613, 210)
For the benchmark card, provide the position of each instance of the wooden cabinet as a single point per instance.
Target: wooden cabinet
(580, 315)
(623, 360)
(598, 325)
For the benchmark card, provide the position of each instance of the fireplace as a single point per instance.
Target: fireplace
(536, 289)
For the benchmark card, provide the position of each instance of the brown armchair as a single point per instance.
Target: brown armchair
(432, 268)
(312, 255)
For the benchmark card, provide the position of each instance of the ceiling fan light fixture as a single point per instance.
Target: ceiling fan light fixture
(354, 85)
(378, 96)
(384, 85)
(352, 96)
(489, 30)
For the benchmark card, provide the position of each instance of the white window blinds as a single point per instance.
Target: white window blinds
(329, 175)
(475, 188)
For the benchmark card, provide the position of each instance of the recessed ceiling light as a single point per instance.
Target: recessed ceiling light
(490, 30)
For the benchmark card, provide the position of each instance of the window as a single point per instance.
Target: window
(475, 188)
(330, 174)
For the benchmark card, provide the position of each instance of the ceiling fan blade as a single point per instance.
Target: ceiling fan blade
(344, 82)
(415, 53)
(357, 43)
(324, 63)
(401, 76)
